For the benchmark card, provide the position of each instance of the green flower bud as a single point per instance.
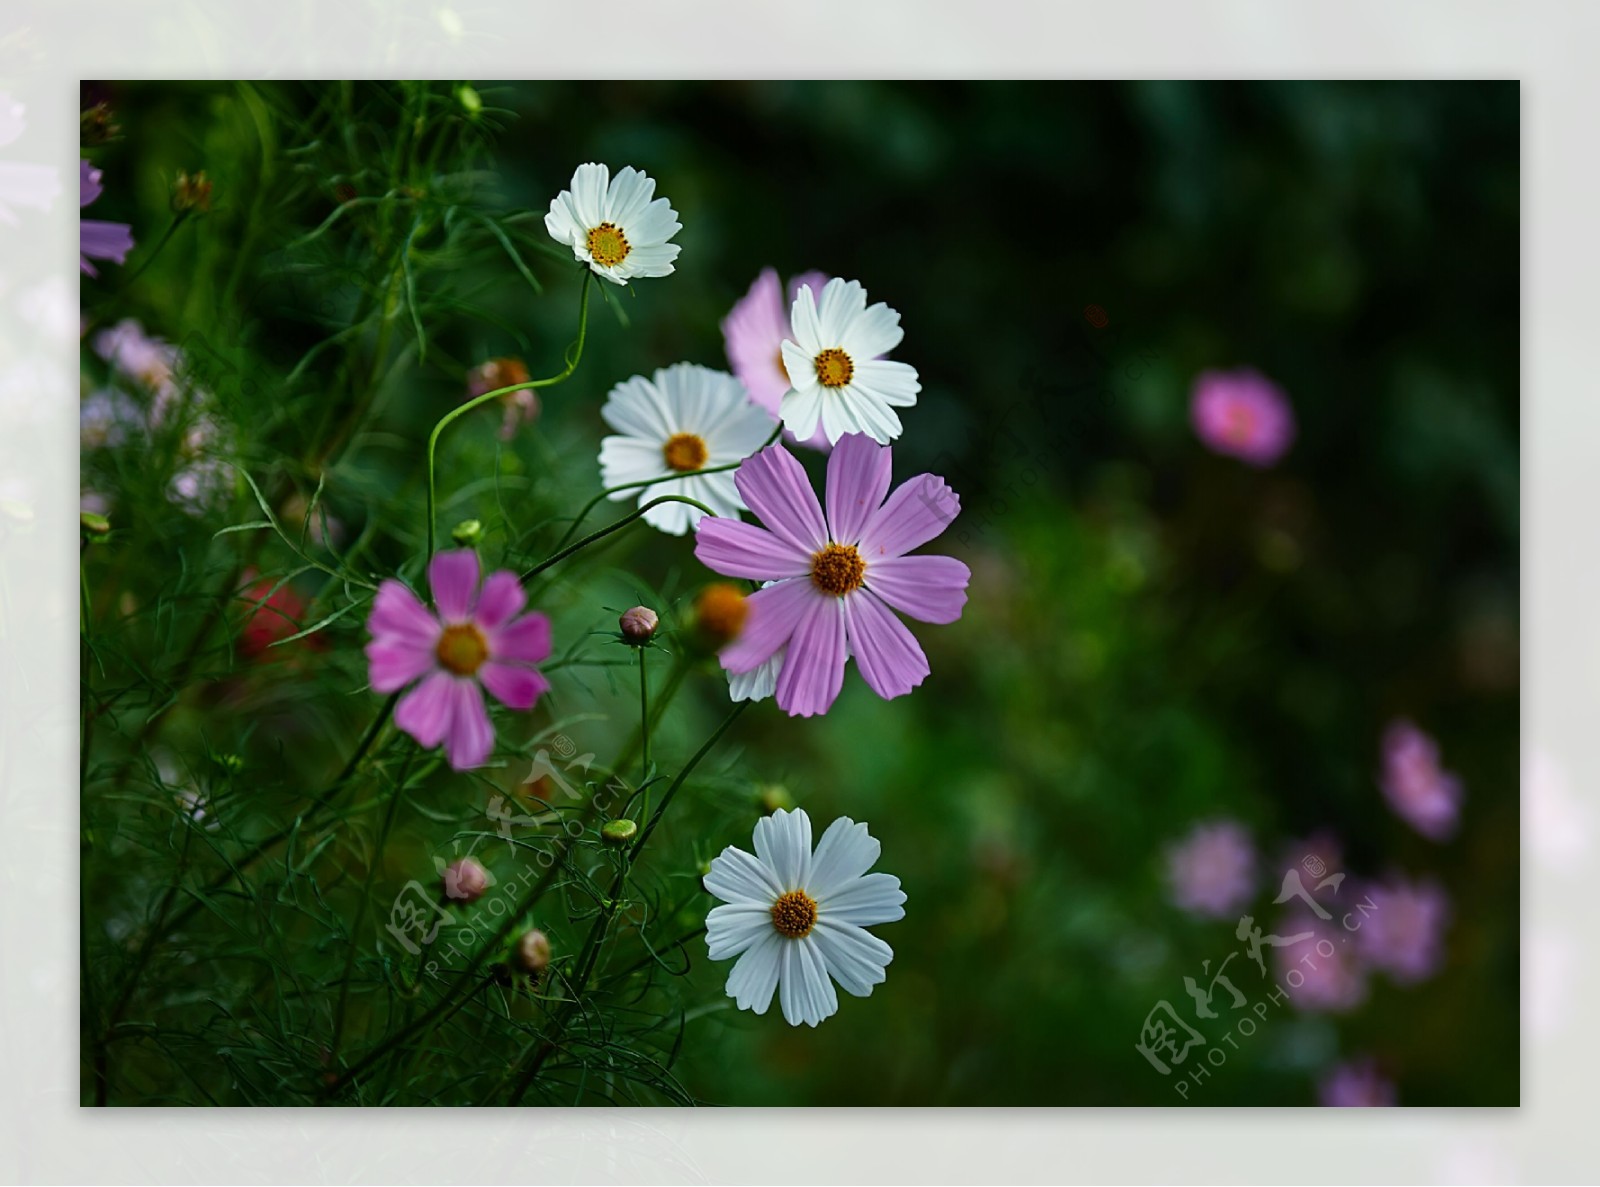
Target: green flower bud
(467, 533)
(618, 832)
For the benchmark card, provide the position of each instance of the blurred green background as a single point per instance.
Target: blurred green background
(1156, 635)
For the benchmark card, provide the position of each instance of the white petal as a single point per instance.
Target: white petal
(801, 412)
(628, 459)
(842, 303)
(635, 408)
(805, 991)
(759, 683)
(875, 332)
(588, 194)
(803, 321)
(865, 413)
(783, 842)
(653, 225)
(801, 366)
(870, 899)
(856, 959)
(894, 383)
(738, 877)
(672, 518)
(755, 976)
(733, 927)
(627, 197)
(845, 852)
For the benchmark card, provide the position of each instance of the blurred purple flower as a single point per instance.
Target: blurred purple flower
(1242, 414)
(754, 332)
(139, 356)
(1212, 871)
(98, 240)
(1319, 973)
(1421, 793)
(104, 418)
(1356, 1085)
(1404, 936)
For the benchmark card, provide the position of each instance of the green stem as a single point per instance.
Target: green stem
(595, 536)
(644, 720)
(574, 354)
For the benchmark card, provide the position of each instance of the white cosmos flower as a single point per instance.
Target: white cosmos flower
(612, 225)
(795, 918)
(842, 382)
(689, 418)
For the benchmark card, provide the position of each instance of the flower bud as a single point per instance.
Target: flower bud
(467, 533)
(618, 832)
(191, 193)
(638, 625)
(95, 527)
(471, 102)
(773, 797)
(719, 614)
(96, 126)
(532, 953)
(465, 880)
(494, 374)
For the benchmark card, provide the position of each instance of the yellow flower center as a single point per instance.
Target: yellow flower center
(462, 649)
(794, 914)
(720, 612)
(608, 245)
(838, 569)
(834, 367)
(684, 452)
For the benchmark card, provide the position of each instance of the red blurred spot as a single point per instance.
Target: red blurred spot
(275, 618)
(1096, 317)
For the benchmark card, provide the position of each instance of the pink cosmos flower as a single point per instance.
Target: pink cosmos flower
(1319, 971)
(1356, 1085)
(1404, 936)
(1212, 871)
(474, 639)
(836, 580)
(1423, 794)
(754, 332)
(1242, 414)
(97, 239)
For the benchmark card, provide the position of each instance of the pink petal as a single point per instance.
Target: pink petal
(919, 510)
(524, 640)
(813, 667)
(501, 599)
(453, 578)
(890, 661)
(396, 662)
(397, 611)
(425, 711)
(858, 478)
(471, 737)
(513, 686)
(775, 487)
(738, 549)
(771, 616)
(929, 588)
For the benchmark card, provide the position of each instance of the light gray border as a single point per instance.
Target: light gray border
(44, 49)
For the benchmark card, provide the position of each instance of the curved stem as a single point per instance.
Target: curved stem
(574, 354)
(592, 537)
(617, 490)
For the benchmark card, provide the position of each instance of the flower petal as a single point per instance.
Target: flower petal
(890, 659)
(397, 611)
(501, 599)
(425, 711)
(524, 640)
(739, 877)
(813, 669)
(869, 900)
(471, 736)
(772, 615)
(858, 480)
(395, 662)
(775, 487)
(919, 510)
(453, 578)
(804, 989)
(857, 959)
(842, 302)
(805, 331)
(895, 384)
(928, 588)
(872, 333)
(738, 549)
(755, 976)
(733, 927)
(512, 685)
(783, 843)
(636, 408)
(845, 852)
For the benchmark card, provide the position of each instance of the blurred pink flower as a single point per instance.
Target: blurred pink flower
(136, 355)
(1320, 973)
(1356, 1085)
(754, 332)
(475, 641)
(1242, 414)
(519, 407)
(1421, 793)
(1212, 871)
(98, 240)
(1404, 936)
